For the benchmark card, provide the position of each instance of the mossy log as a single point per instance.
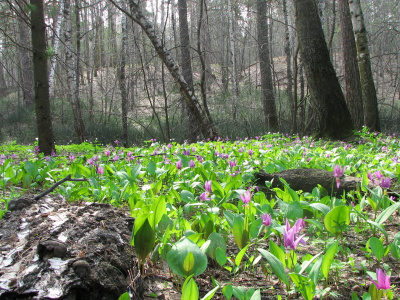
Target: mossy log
(307, 179)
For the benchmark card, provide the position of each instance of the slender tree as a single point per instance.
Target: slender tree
(268, 102)
(370, 102)
(352, 88)
(186, 63)
(333, 119)
(40, 79)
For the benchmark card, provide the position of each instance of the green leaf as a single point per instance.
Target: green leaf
(255, 228)
(316, 223)
(256, 295)
(216, 241)
(228, 291)
(304, 284)
(337, 218)
(220, 256)
(31, 169)
(294, 211)
(144, 240)
(187, 196)
(354, 296)
(151, 168)
(328, 258)
(177, 255)
(376, 247)
(124, 296)
(321, 207)
(190, 291)
(239, 292)
(240, 255)
(240, 235)
(277, 252)
(314, 273)
(211, 293)
(188, 263)
(383, 216)
(276, 265)
(159, 209)
(378, 226)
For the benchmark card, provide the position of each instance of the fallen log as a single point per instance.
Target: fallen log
(307, 179)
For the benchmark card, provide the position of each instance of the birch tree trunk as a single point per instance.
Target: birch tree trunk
(207, 129)
(233, 63)
(268, 99)
(72, 74)
(353, 93)
(40, 79)
(370, 101)
(289, 67)
(122, 83)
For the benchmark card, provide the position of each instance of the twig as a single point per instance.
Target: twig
(68, 178)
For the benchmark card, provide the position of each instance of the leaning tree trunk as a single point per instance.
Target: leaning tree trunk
(352, 89)
(333, 119)
(371, 113)
(186, 63)
(269, 107)
(207, 129)
(40, 79)
(72, 71)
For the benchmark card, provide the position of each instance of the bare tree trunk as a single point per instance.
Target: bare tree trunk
(233, 63)
(333, 119)
(72, 72)
(269, 107)
(207, 129)
(40, 79)
(371, 113)
(53, 60)
(289, 68)
(26, 62)
(122, 83)
(3, 86)
(353, 93)
(186, 63)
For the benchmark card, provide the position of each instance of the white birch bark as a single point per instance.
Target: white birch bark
(53, 60)
(233, 62)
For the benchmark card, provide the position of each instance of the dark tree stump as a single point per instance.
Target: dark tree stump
(307, 179)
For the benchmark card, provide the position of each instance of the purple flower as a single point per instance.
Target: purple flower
(107, 152)
(266, 219)
(3, 156)
(100, 170)
(14, 156)
(378, 174)
(385, 183)
(169, 146)
(192, 163)
(207, 186)
(246, 197)
(116, 142)
(71, 157)
(251, 152)
(116, 158)
(383, 280)
(205, 196)
(338, 172)
(53, 153)
(95, 158)
(199, 158)
(121, 152)
(47, 159)
(155, 152)
(179, 164)
(232, 164)
(90, 161)
(291, 235)
(36, 150)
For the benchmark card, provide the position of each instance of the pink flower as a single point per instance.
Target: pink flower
(179, 164)
(338, 172)
(207, 186)
(266, 219)
(383, 280)
(100, 170)
(205, 196)
(232, 164)
(385, 183)
(107, 152)
(291, 235)
(246, 197)
(192, 163)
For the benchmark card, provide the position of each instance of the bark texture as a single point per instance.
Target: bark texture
(352, 88)
(186, 64)
(269, 107)
(308, 179)
(332, 117)
(207, 129)
(370, 100)
(122, 85)
(40, 79)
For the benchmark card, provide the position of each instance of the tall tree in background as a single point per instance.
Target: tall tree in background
(122, 83)
(73, 73)
(352, 88)
(333, 119)
(268, 99)
(26, 72)
(289, 89)
(186, 63)
(371, 113)
(40, 79)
